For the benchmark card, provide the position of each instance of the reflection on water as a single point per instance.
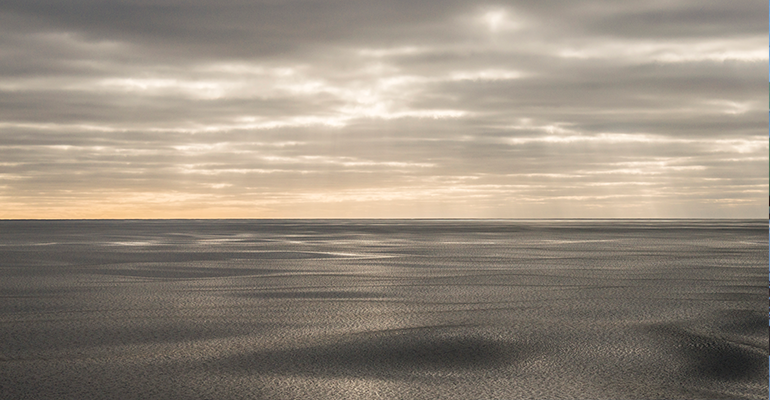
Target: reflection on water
(383, 309)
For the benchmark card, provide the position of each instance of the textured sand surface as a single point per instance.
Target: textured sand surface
(383, 309)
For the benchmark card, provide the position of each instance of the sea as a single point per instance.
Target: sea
(384, 309)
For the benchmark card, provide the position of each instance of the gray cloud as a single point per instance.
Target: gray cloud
(368, 109)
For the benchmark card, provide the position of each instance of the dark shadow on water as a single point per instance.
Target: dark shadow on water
(399, 354)
(745, 322)
(719, 359)
(716, 358)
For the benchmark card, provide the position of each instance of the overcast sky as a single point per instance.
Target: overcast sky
(419, 108)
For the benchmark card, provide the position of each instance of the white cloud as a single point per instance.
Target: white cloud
(751, 49)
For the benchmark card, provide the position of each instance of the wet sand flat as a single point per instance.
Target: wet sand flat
(384, 309)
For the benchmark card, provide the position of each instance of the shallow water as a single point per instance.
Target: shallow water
(620, 309)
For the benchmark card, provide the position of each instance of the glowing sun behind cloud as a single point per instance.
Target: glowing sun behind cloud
(426, 109)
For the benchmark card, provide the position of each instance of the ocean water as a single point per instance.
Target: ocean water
(384, 309)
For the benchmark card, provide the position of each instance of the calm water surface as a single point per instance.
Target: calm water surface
(354, 309)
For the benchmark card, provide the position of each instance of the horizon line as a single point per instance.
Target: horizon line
(373, 218)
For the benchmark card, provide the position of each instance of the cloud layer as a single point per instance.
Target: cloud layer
(278, 109)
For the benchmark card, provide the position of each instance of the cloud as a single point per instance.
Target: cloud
(359, 108)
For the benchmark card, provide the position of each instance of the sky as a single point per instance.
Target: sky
(373, 109)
